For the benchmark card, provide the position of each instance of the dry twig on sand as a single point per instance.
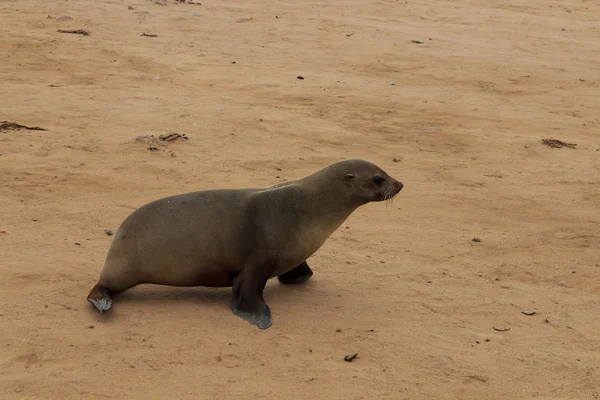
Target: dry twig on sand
(557, 144)
(13, 126)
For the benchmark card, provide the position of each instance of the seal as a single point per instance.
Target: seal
(238, 238)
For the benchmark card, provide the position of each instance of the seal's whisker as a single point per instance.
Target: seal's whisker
(391, 195)
(387, 196)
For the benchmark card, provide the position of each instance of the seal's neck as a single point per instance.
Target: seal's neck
(326, 199)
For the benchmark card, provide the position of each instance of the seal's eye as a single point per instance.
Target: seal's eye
(379, 180)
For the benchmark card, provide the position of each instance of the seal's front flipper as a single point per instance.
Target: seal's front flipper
(260, 317)
(100, 298)
(247, 302)
(296, 275)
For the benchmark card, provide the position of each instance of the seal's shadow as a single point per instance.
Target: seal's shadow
(274, 293)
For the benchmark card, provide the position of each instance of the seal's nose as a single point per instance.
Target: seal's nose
(399, 185)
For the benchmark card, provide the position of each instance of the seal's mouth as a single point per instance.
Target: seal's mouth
(391, 192)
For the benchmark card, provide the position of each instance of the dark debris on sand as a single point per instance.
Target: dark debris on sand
(557, 144)
(13, 126)
(169, 137)
(75, 31)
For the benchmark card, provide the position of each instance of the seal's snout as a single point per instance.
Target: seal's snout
(389, 190)
(396, 187)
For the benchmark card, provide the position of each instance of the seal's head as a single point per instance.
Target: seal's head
(365, 182)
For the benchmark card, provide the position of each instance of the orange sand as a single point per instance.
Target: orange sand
(463, 113)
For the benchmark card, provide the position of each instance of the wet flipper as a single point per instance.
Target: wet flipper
(100, 298)
(297, 275)
(247, 298)
(259, 317)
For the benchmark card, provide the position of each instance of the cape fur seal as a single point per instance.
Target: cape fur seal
(238, 238)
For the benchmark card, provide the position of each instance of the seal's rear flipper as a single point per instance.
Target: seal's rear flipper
(100, 298)
(296, 275)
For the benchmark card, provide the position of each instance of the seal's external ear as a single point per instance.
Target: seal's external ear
(350, 176)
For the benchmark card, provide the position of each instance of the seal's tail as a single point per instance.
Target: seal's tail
(100, 298)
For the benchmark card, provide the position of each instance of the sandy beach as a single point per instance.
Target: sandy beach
(481, 280)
